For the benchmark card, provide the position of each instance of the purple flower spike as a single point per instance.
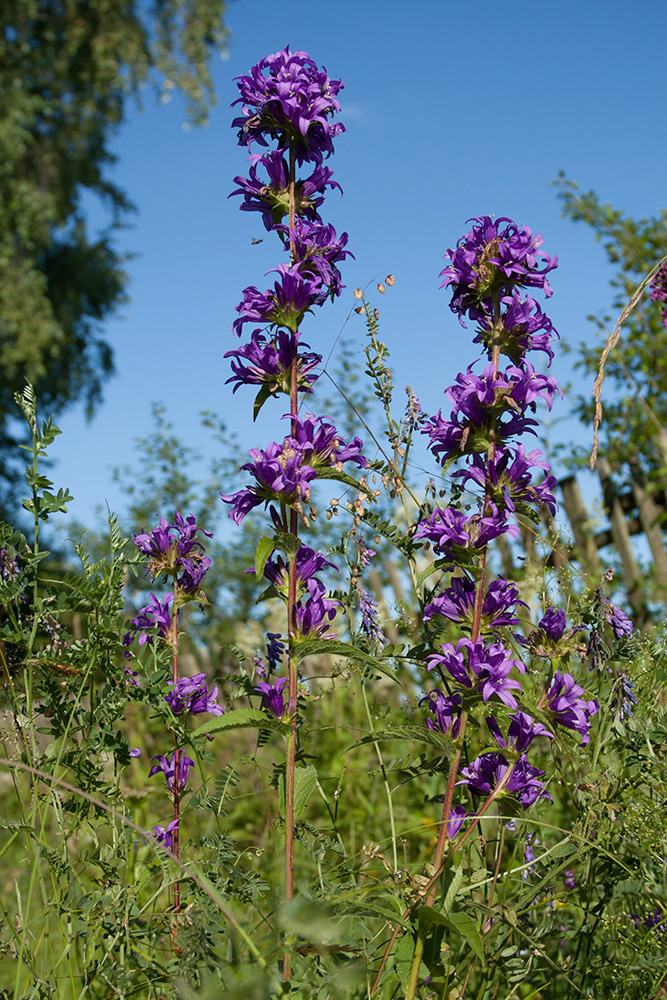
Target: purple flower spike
(288, 98)
(487, 771)
(659, 290)
(370, 621)
(274, 650)
(568, 708)
(447, 711)
(621, 625)
(273, 696)
(269, 363)
(165, 836)
(522, 731)
(167, 766)
(191, 694)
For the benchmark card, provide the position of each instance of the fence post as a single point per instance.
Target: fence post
(649, 514)
(621, 537)
(577, 515)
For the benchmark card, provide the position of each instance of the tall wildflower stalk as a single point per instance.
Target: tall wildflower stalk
(287, 104)
(173, 551)
(487, 273)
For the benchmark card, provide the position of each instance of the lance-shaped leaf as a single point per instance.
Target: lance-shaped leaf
(309, 647)
(243, 718)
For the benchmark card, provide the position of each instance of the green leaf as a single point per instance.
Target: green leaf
(415, 733)
(463, 924)
(328, 472)
(563, 848)
(261, 397)
(308, 647)
(264, 549)
(287, 543)
(371, 910)
(425, 573)
(243, 718)
(305, 783)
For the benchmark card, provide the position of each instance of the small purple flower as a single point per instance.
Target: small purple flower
(9, 564)
(659, 290)
(624, 697)
(281, 475)
(509, 478)
(457, 603)
(172, 554)
(553, 623)
(312, 615)
(191, 694)
(273, 199)
(273, 696)
(365, 554)
(567, 707)
(269, 363)
(316, 250)
(308, 563)
(619, 621)
(293, 295)
(487, 771)
(167, 766)
(370, 622)
(322, 446)
(522, 731)
(454, 535)
(482, 668)
(154, 619)
(165, 836)
(288, 98)
(447, 711)
(457, 817)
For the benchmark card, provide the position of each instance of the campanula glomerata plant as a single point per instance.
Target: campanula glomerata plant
(513, 844)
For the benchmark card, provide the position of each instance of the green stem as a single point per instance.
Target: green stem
(176, 790)
(387, 789)
(292, 668)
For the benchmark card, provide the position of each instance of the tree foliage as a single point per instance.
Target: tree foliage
(634, 397)
(67, 71)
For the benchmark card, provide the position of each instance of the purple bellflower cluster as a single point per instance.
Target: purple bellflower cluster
(493, 274)
(175, 551)
(287, 108)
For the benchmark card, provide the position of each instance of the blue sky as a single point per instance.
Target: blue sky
(451, 111)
